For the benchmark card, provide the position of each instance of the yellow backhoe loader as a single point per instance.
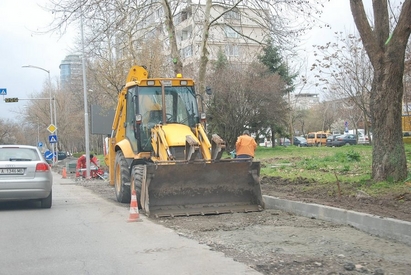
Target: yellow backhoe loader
(159, 148)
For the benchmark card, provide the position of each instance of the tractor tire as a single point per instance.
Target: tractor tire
(137, 181)
(122, 179)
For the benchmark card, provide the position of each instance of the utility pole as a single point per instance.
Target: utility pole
(51, 109)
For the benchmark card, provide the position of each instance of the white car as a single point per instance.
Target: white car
(25, 175)
(363, 139)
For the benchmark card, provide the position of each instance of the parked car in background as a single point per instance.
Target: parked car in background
(347, 139)
(363, 139)
(300, 142)
(265, 142)
(61, 155)
(285, 142)
(317, 138)
(25, 175)
(330, 140)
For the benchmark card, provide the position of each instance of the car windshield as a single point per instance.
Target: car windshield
(18, 154)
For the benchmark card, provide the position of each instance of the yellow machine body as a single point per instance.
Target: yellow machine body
(160, 149)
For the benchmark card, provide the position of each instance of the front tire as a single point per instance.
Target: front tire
(137, 181)
(122, 179)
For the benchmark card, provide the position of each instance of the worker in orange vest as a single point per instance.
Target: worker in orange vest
(245, 145)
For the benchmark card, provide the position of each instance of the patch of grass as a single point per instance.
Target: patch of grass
(350, 164)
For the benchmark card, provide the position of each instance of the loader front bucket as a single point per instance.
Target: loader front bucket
(184, 189)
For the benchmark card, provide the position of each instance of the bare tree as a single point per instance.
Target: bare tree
(386, 50)
(122, 26)
(243, 100)
(344, 70)
(319, 118)
(272, 17)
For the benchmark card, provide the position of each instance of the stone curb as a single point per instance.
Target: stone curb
(383, 227)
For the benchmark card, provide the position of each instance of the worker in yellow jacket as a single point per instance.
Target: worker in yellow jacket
(245, 145)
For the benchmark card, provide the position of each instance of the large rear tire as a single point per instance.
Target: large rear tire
(137, 181)
(122, 179)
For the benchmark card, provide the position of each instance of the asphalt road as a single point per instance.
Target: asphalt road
(84, 234)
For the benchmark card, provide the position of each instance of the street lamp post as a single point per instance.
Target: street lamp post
(86, 126)
(51, 109)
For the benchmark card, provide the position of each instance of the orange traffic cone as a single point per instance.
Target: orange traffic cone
(134, 215)
(64, 173)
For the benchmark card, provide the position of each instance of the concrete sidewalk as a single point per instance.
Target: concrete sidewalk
(379, 226)
(383, 227)
(98, 239)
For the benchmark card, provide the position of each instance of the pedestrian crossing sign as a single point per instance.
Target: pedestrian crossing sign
(3, 91)
(53, 138)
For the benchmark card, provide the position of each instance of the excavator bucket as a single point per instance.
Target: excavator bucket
(198, 188)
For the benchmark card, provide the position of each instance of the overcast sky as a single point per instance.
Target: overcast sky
(21, 46)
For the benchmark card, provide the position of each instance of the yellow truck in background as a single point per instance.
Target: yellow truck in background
(317, 138)
(406, 129)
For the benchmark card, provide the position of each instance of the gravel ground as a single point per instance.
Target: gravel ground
(276, 242)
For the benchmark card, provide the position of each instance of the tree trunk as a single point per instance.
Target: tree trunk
(171, 30)
(386, 49)
(203, 50)
(388, 157)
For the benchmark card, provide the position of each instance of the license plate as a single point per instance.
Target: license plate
(11, 171)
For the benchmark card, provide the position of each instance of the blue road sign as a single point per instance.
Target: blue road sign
(52, 138)
(48, 155)
(40, 144)
(3, 91)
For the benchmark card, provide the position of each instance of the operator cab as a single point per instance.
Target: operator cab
(179, 106)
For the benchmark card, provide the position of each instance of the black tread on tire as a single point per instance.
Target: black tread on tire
(122, 176)
(137, 180)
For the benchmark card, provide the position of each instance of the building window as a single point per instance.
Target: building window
(231, 32)
(186, 34)
(187, 52)
(231, 50)
(232, 14)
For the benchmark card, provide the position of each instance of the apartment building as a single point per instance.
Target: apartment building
(235, 32)
(304, 101)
